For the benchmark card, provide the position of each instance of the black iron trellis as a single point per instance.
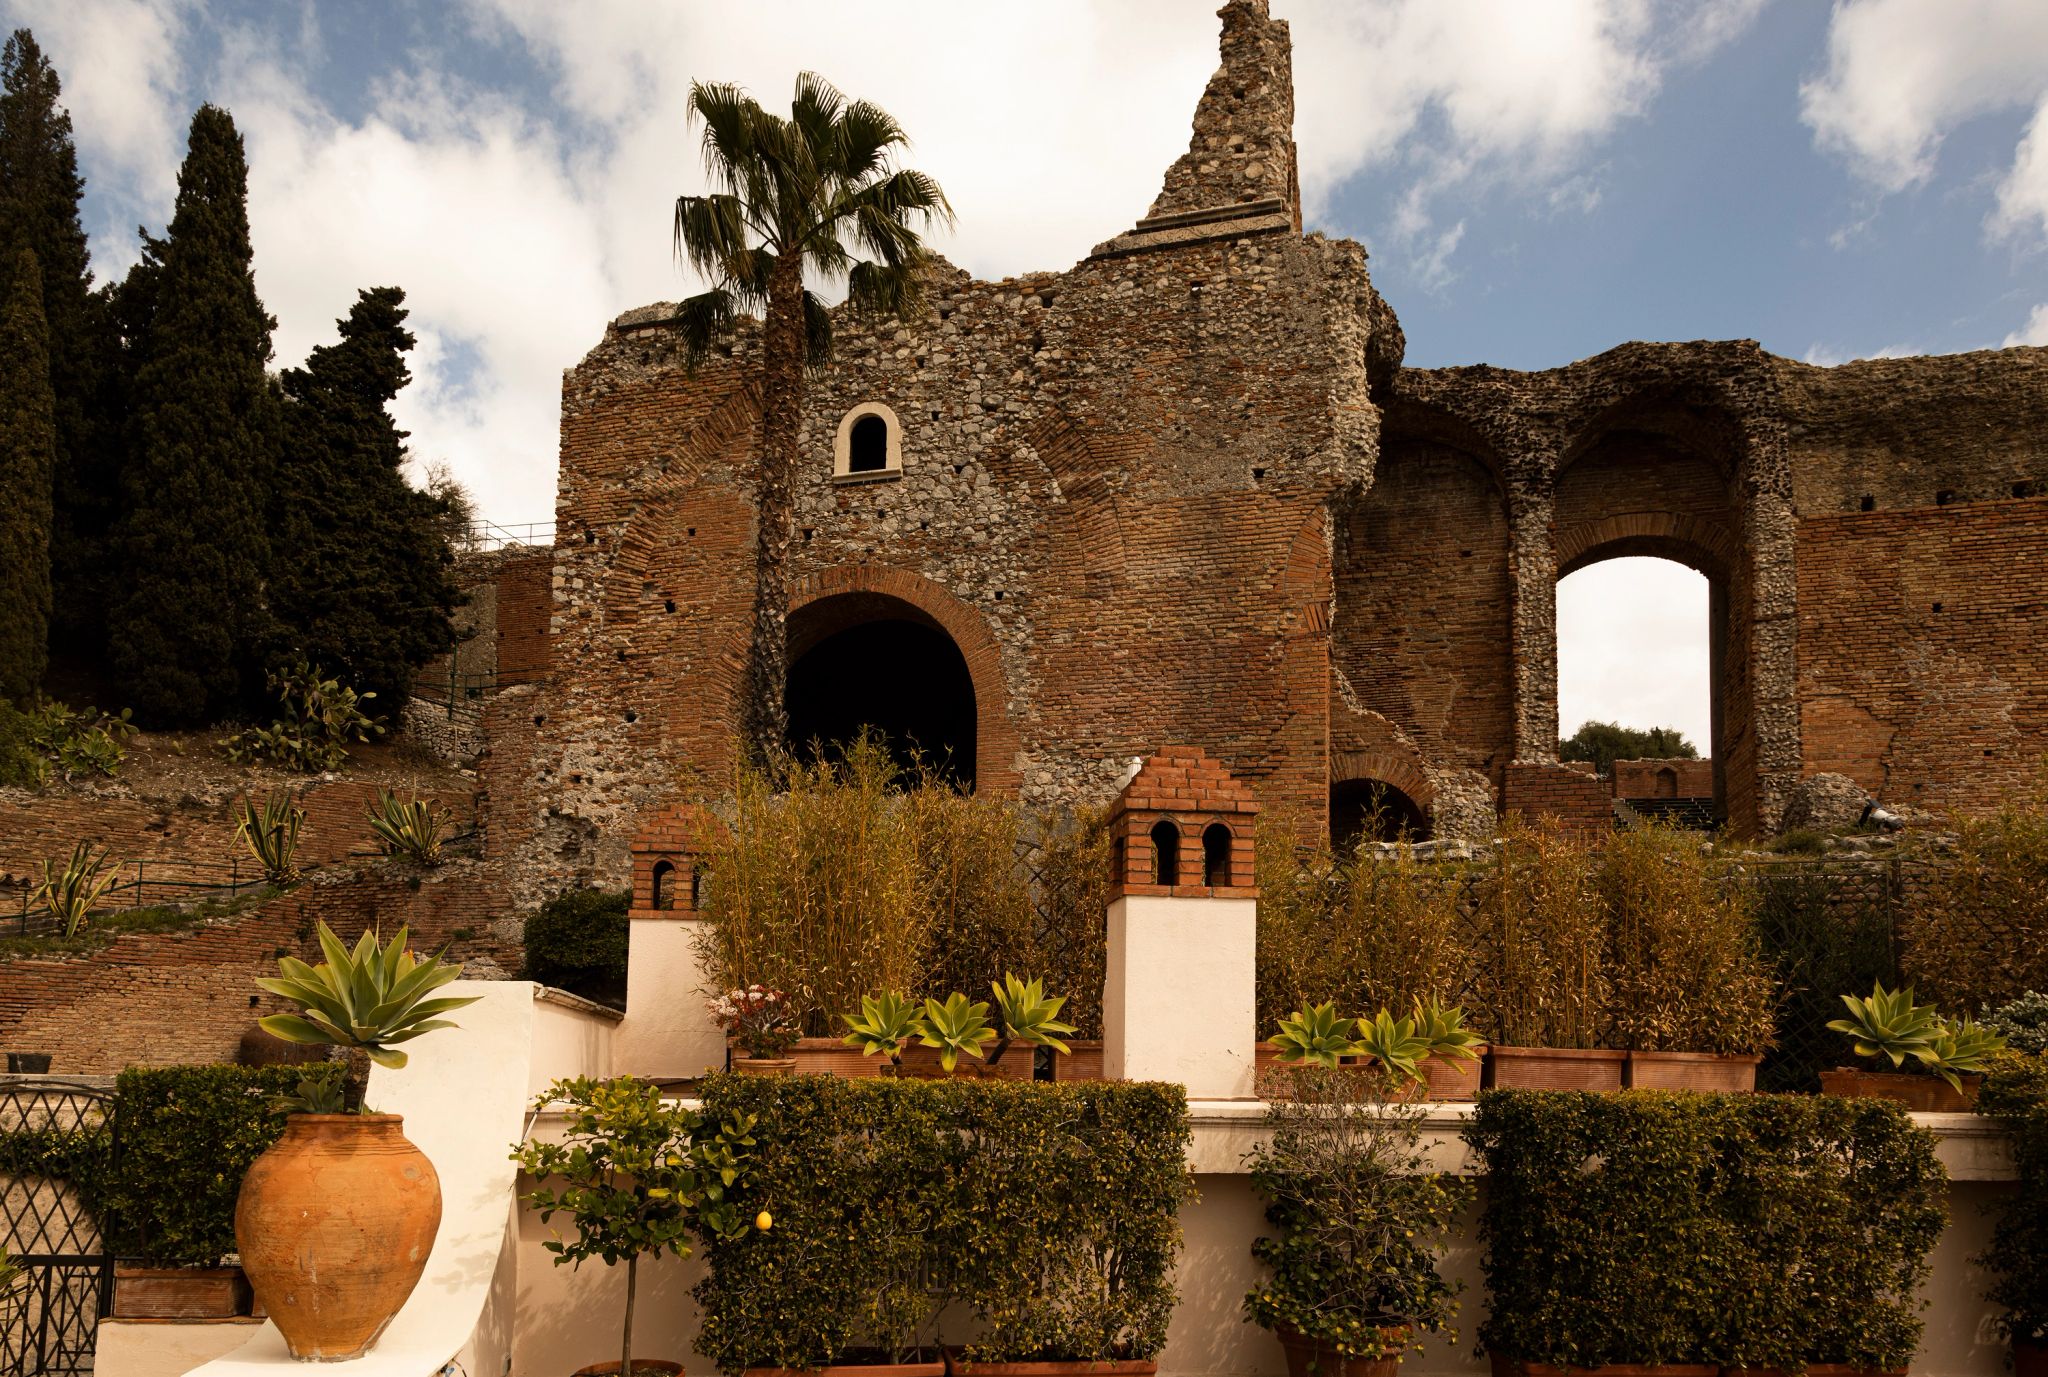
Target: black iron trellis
(50, 1313)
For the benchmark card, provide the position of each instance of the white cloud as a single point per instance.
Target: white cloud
(1632, 648)
(2035, 331)
(1826, 356)
(1902, 74)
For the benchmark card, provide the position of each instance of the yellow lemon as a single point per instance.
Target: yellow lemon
(764, 1221)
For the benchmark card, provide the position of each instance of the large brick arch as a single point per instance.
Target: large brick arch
(996, 742)
(1402, 771)
(1704, 545)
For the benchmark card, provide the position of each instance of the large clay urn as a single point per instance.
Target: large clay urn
(334, 1224)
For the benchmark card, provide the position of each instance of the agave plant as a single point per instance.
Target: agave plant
(70, 893)
(1960, 1049)
(1889, 1024)
(1445, 1031)
(957, 1028)
(1315, 1034)
(371, 998)
(272, 835)
(1394, 1043)
(1026, 1014)
(886, 1024)
(412, 829)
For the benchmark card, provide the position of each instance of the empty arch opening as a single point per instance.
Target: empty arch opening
(1363, 810)
(1215, 855)
(866, 662)
(867, 445)
(1165, 853)
(663, 895)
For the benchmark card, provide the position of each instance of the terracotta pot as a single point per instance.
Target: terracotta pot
(1816, 1370)
(923, 1063)
(2029, 1359)
(1723, 1071)
(1512, 1367)
(765, 1066)
(654, 1367)
(1555, 1068)
(960, 1367)
(936, 1368)
(831, 1057)
(334, 1225)
(179, 1293)
(1924, 1094)
(1083, 1061)
(28, 1063)
(1314, 1358)
(1454, 1078)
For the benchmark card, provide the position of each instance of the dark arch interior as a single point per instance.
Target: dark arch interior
(867, 445)
(902, 678)
(1165, 853)
(1373, 810)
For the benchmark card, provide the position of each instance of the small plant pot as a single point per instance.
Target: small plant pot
(179, 1293)
(1555, 1068)
(1726, 1072)
(1313, 1358)
(765, 1066)
(642, 1367)
(2029, 1359)
(1922, 1094)
(28, 1063)
(1083, 1062)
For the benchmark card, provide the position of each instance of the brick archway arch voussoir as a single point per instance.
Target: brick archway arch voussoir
(1576, 544)
(995, 736)
(1388, 768)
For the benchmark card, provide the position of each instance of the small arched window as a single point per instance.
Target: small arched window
(663, 895)
(869, 443)
(1215, 855)
(1667, 783)
(1165, 853)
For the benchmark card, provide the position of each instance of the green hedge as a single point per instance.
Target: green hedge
(2016, 1094)
(1746, 1230)
(577, 942)
(1050, 1211)
(186, 1135)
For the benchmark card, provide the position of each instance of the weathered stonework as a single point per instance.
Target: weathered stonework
(1184, 492)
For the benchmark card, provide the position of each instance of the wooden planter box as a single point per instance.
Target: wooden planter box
(1454, 1078)
(1926, 1094)
(179, 1293)
(1555, 1068)
(1083, 1062)
(923, 1062)
(1728, 1072)
(831, 1057)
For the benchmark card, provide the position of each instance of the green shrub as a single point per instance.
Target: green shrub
(577, 942)
(317, 719)
(1746, 1230)
(20, 766)
(2022, 1022)
(188, 1134)
(1979, 934)
(1542, 977)
(79, 741)
(2015, 1093)
(1051, 1210)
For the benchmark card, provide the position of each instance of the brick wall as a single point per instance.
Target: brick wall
(1641, 778)
(1921, 670)
(155, 999)
(1576, 799)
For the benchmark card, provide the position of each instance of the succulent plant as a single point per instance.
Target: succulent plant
(1443, 1028)
(1889, 1024)
(1960, 1049)
(1315, 1033)
(886, 1024)
(1026, 1014)
(957, 1028)
(371, 998)
(1394, 1043)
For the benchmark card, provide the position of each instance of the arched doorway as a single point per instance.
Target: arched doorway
(869, 661)
(1373, 810)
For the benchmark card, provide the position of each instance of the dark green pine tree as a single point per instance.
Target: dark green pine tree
(39, 193)
(361, 577)
(187, 623)
(28, 439)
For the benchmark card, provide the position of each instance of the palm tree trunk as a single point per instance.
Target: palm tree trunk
(763, 720)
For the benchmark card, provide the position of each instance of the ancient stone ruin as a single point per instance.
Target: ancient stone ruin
(1185, 491)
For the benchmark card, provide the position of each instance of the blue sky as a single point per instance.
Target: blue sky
(1537, 182)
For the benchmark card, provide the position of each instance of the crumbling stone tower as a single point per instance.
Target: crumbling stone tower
(1185, 492)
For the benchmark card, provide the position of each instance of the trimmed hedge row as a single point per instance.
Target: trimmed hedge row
(1050, 1211)
(1743, 1230)
(2016, 1095)
(187, 1135)
(577, 942)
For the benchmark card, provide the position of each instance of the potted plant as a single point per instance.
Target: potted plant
(885, 1026)
(1542, 974)
(1429, 1054)
(757, 1021)
(1689, 993)
(636, 1175)
(335, 1220)
(1027, 1016)
(958, 1036)
(1947, 1059)
(1359, 1221)
(2015, 1094)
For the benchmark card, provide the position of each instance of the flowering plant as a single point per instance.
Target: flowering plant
(758, 1019)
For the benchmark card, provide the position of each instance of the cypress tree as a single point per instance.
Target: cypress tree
(362, 575)
(39, 195)
(187, 623)
(27, 442)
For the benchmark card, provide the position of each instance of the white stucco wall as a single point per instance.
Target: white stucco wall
(1178, 999)
(667, 1034)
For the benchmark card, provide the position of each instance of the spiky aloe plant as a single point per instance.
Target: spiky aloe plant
(957, 1028)
(272, 835)
(1443, 1028)
(1889, 1024)
(1961, 1049)
(371, 999)
(1026, 1014)
(1315, 1034)
(886, 1024)
(1394, 1044)
(69, 893)
(412, 829)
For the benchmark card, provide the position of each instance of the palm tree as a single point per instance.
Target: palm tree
(817, 193)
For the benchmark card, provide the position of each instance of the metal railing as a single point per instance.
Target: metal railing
(490, 535)
(139, 884)
(50, 1314)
